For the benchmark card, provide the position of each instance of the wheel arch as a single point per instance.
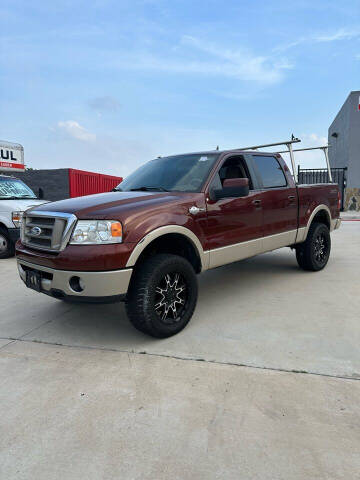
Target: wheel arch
(322, 214)
(171, 239)
(2, 225)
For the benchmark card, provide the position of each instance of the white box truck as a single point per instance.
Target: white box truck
(11, 157)
(15, 197)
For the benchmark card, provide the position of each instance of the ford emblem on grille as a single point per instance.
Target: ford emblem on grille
(36, 231)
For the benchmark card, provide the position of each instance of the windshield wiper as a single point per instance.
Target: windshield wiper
(147, 189)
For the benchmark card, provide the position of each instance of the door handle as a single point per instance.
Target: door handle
(256, 202)
(291, 197)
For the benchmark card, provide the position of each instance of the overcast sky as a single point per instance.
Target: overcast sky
(106, 85)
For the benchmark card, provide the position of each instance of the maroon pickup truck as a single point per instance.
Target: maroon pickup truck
(171, 219)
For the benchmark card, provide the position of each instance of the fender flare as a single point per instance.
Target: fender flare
(158, 232)
(303, 231)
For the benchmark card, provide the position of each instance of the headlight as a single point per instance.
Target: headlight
(95, 232)
(16, 218)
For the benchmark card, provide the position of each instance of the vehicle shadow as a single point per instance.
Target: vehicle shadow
(107, 326)
(262, 272)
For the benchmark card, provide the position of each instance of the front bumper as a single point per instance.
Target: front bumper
(97, 286)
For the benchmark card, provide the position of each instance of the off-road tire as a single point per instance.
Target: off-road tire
(7, 248)
(143, 294)
(307, 253)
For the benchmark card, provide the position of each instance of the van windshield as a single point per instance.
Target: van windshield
(13, 189)
(181, 173)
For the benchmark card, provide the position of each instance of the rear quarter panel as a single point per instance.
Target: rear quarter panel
(311, 196)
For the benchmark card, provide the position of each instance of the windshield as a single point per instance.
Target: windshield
(182, 173)
(12, 188)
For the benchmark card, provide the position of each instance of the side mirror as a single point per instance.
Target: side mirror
(233, 187)
(41, 194)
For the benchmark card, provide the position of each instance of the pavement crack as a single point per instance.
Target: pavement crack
(34, 329)
(11, 340)
(43, 324)
(186, 359)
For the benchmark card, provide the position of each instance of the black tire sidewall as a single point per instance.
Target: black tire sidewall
(175, 265)
(315, 230)
(10, 250)
(147, 278)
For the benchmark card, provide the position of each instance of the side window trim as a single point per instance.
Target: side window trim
(258, 174)
(257, 186)
(256, 180)
(248, 169)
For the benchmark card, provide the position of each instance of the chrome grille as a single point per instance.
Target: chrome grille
(47, 230)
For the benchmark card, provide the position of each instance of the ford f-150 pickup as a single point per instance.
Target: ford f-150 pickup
(171, 219)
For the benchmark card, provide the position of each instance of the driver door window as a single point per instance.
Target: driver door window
(234, 167)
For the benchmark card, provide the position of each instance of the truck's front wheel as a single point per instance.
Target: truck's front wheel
(162, 295)
(6, 245)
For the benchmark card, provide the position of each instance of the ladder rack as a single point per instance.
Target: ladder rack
(291, 151)
(324, 148)
(288, 143)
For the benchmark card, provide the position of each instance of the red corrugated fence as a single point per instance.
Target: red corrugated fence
(86, 183)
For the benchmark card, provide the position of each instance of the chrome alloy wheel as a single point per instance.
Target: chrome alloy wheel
(320, 248)
(170, 298)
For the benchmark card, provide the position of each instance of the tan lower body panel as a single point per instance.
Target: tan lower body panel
(284, 239)
(232, 253)
(96, 284)
(301, 235)
(240, 251)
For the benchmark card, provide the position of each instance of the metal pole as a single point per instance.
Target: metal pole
(326, 153)
(287, 142)
(303, 149)
(289, 146)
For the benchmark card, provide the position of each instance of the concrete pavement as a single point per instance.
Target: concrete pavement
(262, 312)
(78, 399)
(70, 413)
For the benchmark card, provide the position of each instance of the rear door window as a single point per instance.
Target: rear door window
(270, 171)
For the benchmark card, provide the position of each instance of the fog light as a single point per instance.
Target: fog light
(77, 284)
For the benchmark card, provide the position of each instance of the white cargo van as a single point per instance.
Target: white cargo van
(15, 198)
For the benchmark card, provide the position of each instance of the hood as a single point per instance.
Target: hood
(20, 205)
(112, 204)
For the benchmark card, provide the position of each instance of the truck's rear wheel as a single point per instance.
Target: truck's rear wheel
(314, 253)
(162, 295)
(6, 246)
